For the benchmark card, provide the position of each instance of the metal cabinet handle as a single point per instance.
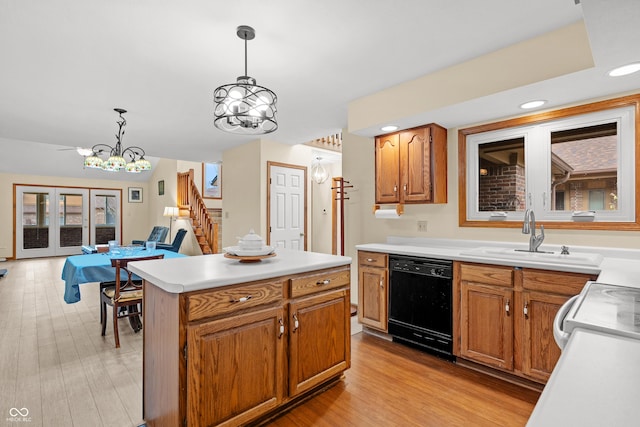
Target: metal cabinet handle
(507, 306)
(296, 323)
(323, 282)
(526, 310)
(243, 299)
(281, 328)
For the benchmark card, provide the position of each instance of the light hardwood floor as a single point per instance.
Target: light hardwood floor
(54, 362)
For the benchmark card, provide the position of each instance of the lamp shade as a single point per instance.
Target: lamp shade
(171, 211)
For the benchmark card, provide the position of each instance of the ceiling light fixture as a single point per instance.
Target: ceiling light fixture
(116, 160)
(532, 104)
(389, 128)
(625, 70)
(244, 107)
(318, 173)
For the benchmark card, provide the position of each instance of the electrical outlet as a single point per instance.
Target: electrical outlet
(422, 226)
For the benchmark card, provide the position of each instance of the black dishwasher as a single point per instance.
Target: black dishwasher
(420, 303)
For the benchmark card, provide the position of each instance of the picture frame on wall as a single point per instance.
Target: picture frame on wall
(212, 180)
(135, 194)
(161, 188)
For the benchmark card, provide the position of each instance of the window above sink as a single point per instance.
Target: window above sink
(575, 167)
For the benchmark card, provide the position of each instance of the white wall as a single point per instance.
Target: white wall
(244, 191)
(442, 219)
(242, 179)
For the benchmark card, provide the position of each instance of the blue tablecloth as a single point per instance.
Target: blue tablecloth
(93, 268)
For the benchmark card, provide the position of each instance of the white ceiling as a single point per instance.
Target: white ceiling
(65, 64)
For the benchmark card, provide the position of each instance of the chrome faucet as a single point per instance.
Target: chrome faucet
(529, 227)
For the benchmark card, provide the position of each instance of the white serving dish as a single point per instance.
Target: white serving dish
(251, 241)
(237, 250)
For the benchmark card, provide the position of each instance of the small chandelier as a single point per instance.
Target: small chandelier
(116, 160)
(244, 107)
(318, 173)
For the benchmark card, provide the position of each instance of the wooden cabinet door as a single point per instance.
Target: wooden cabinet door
(319, 339)
(388, 168)
(539, 349)
(486, 327)
(415, 165)
(235, 368)
(372, 297)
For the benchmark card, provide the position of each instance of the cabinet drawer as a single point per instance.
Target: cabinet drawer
(320, 281)
(491, 275)
(554, 282)
(373, 259)
(228, 300)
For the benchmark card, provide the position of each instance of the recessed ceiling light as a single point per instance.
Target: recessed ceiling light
(625, 69)
(532, 104)
(389, 128)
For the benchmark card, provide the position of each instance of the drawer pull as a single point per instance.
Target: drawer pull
(243, 299)
(369, 259)
(323, 282)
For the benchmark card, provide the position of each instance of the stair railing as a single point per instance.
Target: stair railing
(189, 198)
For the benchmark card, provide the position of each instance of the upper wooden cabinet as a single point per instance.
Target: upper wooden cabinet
(411, 166)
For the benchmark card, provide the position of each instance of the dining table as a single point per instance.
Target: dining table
(89, 268)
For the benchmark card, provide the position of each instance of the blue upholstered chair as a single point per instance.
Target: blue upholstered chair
(158, 234)
(177, 242)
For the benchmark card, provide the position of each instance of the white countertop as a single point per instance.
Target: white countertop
(177, 275)
(618, 267)
(595, 383)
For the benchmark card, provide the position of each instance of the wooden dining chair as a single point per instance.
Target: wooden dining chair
(124, 296)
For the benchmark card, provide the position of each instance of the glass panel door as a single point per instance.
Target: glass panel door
(51, 221)
(35, 220)
(105, 216)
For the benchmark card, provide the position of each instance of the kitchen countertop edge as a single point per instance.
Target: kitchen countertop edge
(618, 266)
(180, 275)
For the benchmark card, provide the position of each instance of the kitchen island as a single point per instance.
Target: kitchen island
(232, 343)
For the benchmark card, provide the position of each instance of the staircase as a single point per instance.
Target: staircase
(191, 202)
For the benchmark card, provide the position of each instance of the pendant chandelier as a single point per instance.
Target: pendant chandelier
(244, 107)
(116, 160)
(318, 173)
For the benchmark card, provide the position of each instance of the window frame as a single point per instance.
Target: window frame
(520, 127)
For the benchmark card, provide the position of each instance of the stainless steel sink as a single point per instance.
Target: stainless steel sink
(577, 258)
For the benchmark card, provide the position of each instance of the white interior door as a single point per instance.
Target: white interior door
(287, 207)
(51, 221)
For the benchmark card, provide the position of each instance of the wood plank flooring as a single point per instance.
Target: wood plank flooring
(389, 384)
(54, 362)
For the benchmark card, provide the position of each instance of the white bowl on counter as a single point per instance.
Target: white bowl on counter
(238, 251)
(250, 241)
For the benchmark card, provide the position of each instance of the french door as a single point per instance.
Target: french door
(53, 221)
(104, 216)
